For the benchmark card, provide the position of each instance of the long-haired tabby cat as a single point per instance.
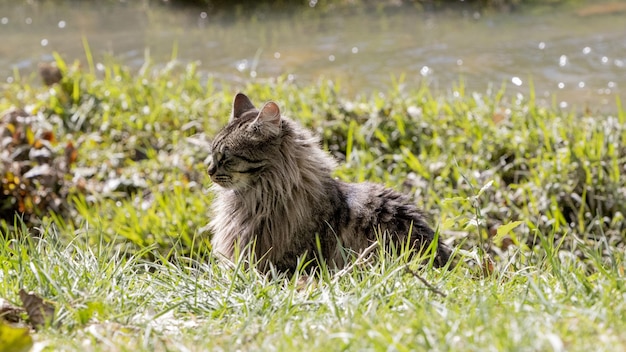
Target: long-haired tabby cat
(276, 197)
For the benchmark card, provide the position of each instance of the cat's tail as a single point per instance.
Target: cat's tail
(423, 237)
(443, 256)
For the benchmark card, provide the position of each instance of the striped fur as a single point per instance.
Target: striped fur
(275, 194)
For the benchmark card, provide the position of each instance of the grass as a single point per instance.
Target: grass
(107, 300)
(127, 263)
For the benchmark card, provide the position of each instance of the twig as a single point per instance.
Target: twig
(362, 258)
(426, 283)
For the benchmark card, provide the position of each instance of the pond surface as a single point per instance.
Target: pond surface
(575, 58)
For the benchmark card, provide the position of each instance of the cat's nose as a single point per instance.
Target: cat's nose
(212, 169)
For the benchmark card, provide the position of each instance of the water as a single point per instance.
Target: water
(573, 59)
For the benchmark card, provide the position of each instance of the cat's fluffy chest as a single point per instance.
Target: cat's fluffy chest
(282, 228)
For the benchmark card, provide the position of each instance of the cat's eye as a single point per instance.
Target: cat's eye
(223, 159)
(220, 158)
(226, 162)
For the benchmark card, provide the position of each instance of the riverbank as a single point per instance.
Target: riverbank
(125, 261)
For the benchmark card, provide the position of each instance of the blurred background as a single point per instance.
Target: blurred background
(571, 53)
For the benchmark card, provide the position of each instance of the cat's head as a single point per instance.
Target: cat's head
(249, 144)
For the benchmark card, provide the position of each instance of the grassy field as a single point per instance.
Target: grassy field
(531, 197)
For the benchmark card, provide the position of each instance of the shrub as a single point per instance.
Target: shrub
(34, 167)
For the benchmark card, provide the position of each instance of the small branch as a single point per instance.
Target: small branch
(362, 258)
(426, 283)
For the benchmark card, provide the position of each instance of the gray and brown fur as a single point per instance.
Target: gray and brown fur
(275, 194)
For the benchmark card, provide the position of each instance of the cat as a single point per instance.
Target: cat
(276, 198)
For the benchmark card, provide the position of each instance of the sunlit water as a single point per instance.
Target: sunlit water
(572, 60)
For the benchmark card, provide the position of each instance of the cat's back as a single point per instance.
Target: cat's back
(376, 210)
(369, 201)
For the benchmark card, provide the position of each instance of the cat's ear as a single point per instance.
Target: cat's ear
(268, 119)
(270, 113)
(241, 104)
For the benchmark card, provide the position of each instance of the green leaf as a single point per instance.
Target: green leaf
(413, 162)
(484, 188)
(60, 62)
(14, 339)
(350, 140)
(381, 137)
(505, 229)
